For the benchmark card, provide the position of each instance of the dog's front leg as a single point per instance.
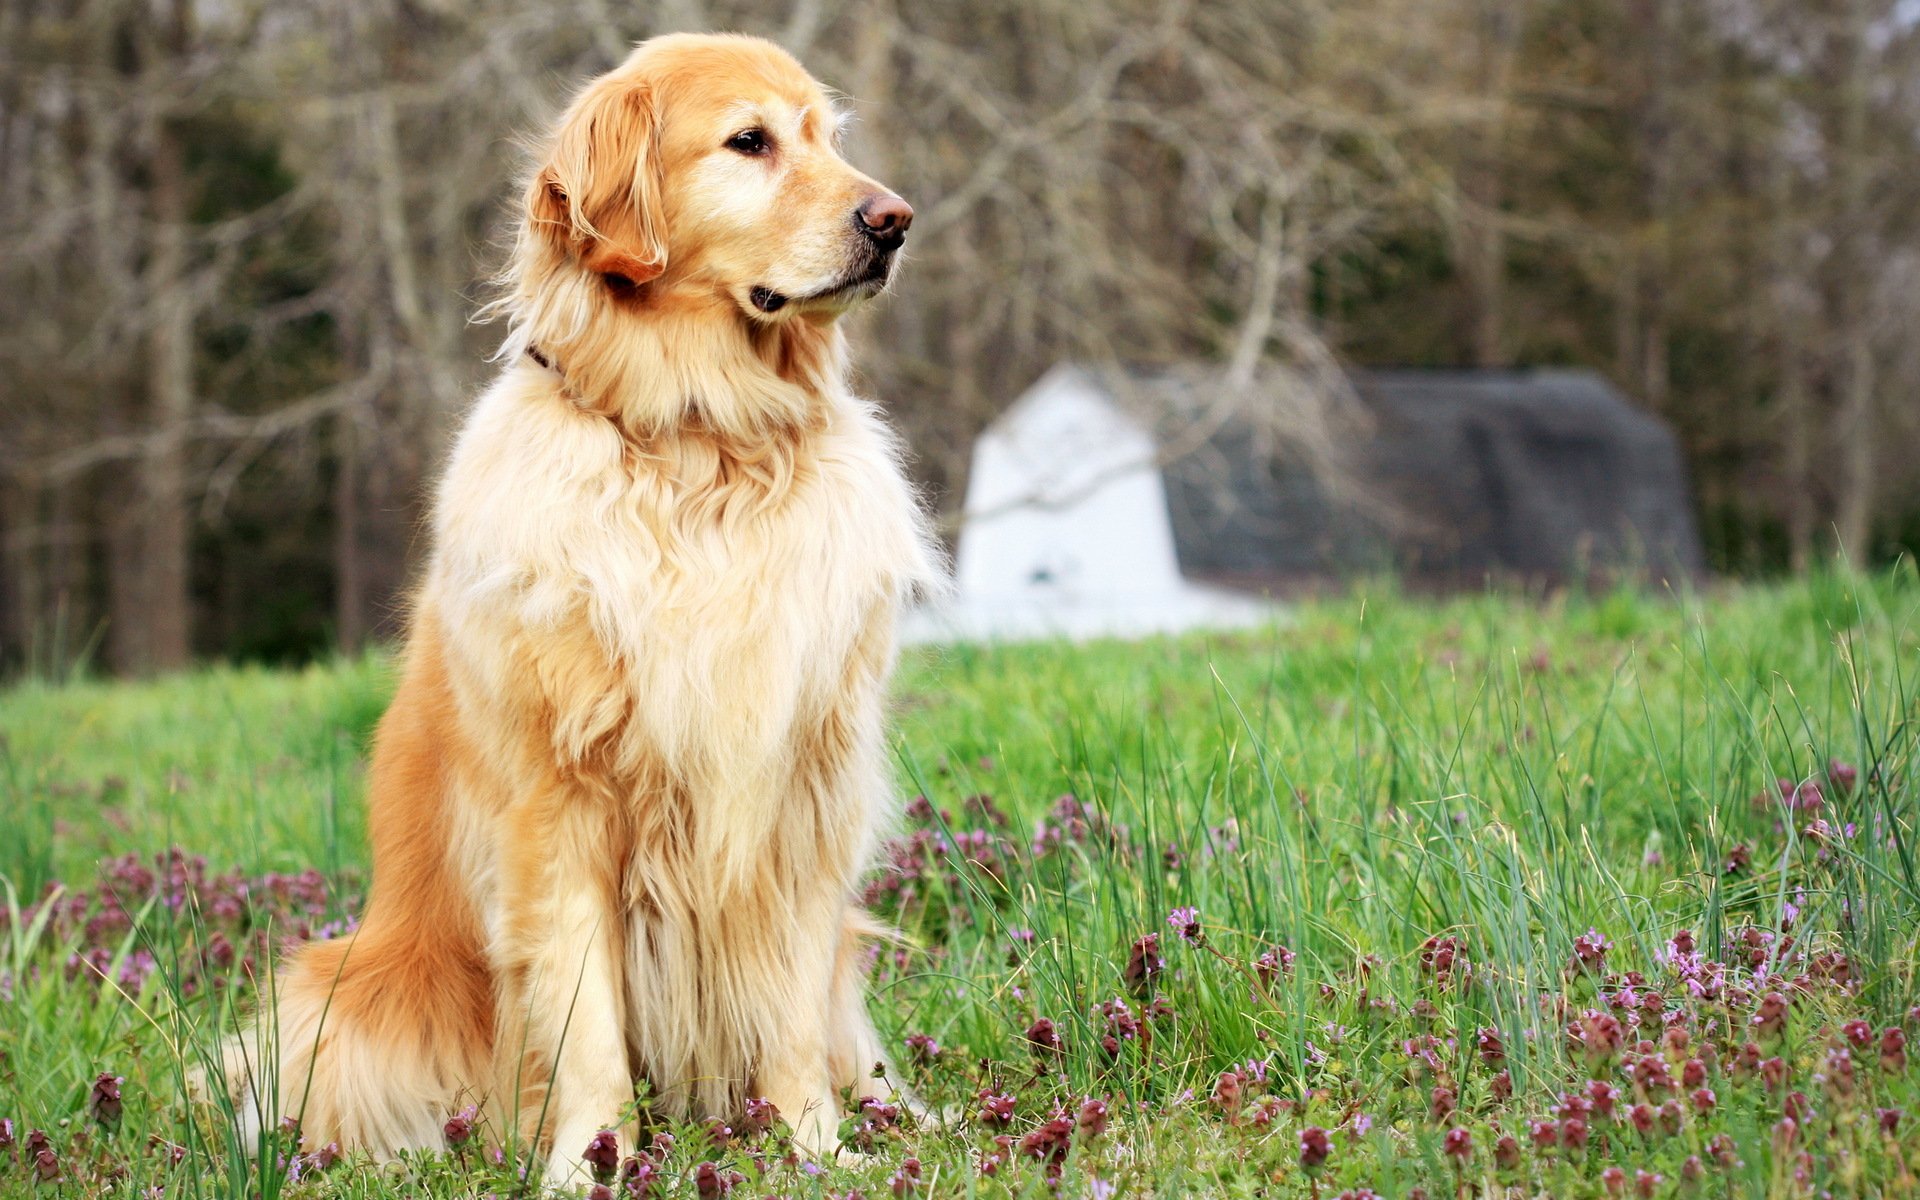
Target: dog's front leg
(794, 1071)
(565, 1035)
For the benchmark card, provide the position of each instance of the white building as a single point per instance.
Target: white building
(1067, 532)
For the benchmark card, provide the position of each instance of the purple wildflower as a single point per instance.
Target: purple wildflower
(1187, 922)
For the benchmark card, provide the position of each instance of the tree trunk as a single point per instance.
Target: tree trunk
(1484, 256)
(1853, 516)
(1855, 425)
(349, 573)
(68, 623)
(1657, 123)
(150, 535)
(1626, 318)
(19, 571)
(1795, 390)
(1796, 410)
(168, 534)
(1479, 241)
(129, 651)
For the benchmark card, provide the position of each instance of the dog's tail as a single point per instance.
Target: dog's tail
(371, 1041)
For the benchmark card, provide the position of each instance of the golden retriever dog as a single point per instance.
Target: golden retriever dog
(635, 766)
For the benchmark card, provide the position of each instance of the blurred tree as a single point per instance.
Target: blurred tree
(242, 243)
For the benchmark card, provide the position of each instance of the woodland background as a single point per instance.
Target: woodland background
(241, 241)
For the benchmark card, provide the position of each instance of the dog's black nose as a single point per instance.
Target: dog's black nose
(885, 219)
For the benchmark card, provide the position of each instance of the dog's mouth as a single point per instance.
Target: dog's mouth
(868, 281)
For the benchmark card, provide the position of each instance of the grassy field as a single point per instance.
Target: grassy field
(1591, 896)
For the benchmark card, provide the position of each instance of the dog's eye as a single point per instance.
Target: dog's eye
(750, 141)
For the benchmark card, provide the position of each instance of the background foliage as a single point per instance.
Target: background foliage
(240, 242)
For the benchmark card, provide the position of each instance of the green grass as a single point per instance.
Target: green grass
(1381, 771)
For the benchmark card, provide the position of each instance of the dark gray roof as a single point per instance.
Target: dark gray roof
(1463, 474)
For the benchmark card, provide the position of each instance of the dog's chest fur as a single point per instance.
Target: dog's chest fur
(685, 603)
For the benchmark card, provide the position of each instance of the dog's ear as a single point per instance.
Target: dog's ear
(599, 192)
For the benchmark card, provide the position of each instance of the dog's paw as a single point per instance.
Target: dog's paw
(579, 1160)
(918, 1111)
(566, 1177)
(816, 1138)
(951, 1116)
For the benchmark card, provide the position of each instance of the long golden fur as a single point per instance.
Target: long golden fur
(635, 767)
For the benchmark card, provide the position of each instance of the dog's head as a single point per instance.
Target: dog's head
(709, 168)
